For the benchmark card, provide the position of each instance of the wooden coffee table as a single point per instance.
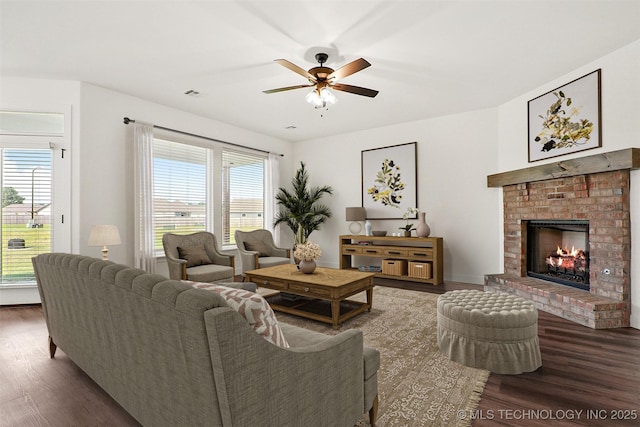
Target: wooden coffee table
(326, 284)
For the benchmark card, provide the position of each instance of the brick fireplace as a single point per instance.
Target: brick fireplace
(593, 189)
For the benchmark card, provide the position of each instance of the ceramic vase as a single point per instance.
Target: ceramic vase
(307, 267)
(367, 228)
(423, 229)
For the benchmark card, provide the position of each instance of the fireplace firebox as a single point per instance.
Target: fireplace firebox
(558, 251)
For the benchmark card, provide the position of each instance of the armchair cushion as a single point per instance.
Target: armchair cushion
(210, 273)
(194, 255)
(270, 261)
(253, 307)
(257, 246)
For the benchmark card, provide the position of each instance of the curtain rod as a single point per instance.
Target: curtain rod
(127, 120)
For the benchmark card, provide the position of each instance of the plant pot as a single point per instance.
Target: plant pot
(407, 233)
(307, 267)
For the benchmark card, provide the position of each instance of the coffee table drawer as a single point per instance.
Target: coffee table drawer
(309, 289)
(270, 283)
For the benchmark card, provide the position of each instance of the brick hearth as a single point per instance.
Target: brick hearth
(603, 200)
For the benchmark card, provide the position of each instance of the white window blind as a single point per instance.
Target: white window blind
(180, 188)
(26, 211)
(242, 193)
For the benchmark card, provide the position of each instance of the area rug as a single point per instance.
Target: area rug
(417, 385)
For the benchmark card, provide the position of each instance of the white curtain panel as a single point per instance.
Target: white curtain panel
(145, 254)
(271, 189)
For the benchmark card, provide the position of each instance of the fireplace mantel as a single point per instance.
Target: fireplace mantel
(628, 158)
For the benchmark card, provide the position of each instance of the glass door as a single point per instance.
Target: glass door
(26, 220)
(35, 178)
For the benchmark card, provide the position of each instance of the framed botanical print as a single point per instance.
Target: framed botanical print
(389, 180)
(566, 120)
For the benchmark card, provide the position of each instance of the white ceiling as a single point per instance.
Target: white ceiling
(429, 58)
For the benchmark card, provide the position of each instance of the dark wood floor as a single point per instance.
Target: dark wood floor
(589, 377)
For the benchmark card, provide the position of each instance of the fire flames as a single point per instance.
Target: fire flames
(575, 259)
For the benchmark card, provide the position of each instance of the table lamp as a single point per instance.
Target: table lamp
(104, 235)
(355, 215)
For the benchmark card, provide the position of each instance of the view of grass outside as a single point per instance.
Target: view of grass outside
(242, 228)
(16, 260)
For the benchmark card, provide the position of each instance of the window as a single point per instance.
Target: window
(29, 123)
(179, 188)
(185, 190)
(243, 193)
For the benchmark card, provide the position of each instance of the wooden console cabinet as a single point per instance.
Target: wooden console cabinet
(415, 251)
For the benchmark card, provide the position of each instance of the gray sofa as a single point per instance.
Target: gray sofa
(174, 355)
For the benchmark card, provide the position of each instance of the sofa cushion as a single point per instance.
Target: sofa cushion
(253, 307)
(257, 246)
(194, 255)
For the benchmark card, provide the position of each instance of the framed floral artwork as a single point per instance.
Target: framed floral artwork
(389, 180)
(566, 120)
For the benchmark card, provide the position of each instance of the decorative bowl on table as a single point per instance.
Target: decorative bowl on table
(379, 233)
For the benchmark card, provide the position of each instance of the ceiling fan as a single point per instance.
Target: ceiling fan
(324, 78)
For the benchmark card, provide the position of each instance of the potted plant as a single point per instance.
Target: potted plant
(300, 209)
(408, 228)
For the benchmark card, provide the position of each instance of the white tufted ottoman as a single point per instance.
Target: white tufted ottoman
(493, 331)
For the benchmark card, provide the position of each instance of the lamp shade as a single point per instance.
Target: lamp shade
(104, 235)
(356, 214)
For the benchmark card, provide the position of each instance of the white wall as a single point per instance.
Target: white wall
(620, 119)
(455, 155)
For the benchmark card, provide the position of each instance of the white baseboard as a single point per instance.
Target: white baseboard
(19, 294)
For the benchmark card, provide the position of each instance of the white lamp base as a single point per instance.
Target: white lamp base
(355, 228)
(105, 253)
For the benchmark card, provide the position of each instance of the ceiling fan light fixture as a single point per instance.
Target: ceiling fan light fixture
(314, 98)
(327, 96)
(321, 98)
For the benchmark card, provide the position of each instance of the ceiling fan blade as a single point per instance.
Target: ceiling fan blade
(293, 67)
(350, 68)
(355, 89)
(282, 89)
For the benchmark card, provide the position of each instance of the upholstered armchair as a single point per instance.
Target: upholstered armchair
(196, 257)
(258, 250)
